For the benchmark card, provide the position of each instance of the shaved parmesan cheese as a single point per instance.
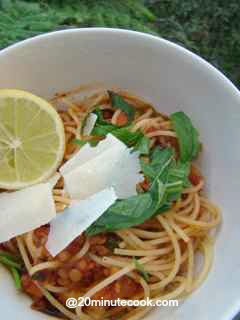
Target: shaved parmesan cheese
(77, 218)
(89, 124)
(126, 174)
(87, 153)
(110, 164)
(94, 178)
(115, 167)
(25, 210)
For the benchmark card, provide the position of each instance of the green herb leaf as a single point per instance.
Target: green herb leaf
(123, 214)
(177, 180)
(119, 103)
(100, 118)
(187, 136)
(103, 130)
(9, 256)
(102, 127)
(143, 145)
(123, 134)
(168, 178)
(10, 263)
(128, 137)
(81, 143)
(17, 278)
(131, 139)
(13, 264)
(129, 212)
(141, 270)
(160, 159)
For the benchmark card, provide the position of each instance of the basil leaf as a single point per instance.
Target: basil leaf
(141, 270)
(168, 178)
(102, 128)
(160, 159)
(81, 143)
(143, 145)
(17, 278)
(165, 207)
(10, 263)
(100, 118)
(119, 103)
(187, 136)
(157, 191)
(177, 180)
(128, 137)
(9, 256)
(129, 212)
(123, 214)
(136, 139)
(123, 134)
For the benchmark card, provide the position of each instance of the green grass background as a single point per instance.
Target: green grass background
(210, 28)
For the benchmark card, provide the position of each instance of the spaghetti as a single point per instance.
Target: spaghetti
(102, 265)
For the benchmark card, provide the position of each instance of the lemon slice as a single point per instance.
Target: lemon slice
(32, 139)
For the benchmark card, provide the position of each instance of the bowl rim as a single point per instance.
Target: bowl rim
(220, 77)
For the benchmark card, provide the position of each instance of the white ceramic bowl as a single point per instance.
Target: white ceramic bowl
(172, 78)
